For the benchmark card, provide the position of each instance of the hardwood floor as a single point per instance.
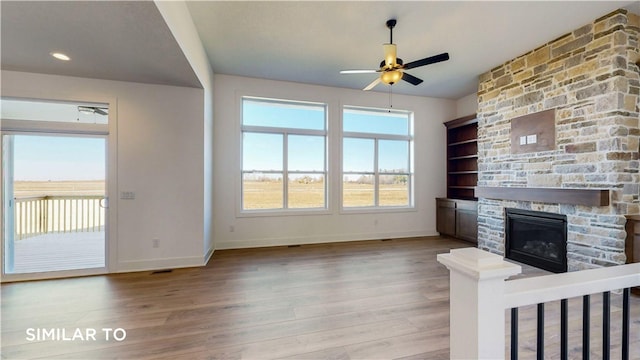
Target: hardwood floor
(358, 300)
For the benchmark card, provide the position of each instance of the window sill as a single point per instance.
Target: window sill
(282, 213)
(378, 210)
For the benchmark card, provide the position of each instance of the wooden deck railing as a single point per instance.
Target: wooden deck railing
(58, 214)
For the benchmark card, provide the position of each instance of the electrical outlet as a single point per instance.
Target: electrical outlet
(523, 140)
(155, 243)
(232, 228)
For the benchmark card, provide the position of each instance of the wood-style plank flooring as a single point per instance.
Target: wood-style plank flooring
(357, 300)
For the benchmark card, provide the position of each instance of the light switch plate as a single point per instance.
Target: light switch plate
(127, 195)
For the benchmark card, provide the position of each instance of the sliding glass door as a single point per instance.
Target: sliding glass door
(54, 202)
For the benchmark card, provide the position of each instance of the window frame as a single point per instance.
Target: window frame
(377, 137)
(285, 172)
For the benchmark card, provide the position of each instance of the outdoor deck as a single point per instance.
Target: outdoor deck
(59, 251)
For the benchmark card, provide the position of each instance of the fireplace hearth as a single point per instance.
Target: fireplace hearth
(536, 238)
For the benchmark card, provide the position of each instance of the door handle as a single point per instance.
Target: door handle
(104, 203)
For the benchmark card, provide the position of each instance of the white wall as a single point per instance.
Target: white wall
(467, 105)
(179, 20)
(335, 226)
(158, 131)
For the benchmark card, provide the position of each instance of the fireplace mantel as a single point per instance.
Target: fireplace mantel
(589, 197)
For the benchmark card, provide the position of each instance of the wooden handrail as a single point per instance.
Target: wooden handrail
(58, 197)
(28, 198)
(541, 289)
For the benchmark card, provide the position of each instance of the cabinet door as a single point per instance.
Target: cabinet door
(446, 218)
(467, 225)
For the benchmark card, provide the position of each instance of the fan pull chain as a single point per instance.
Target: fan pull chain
(390, 103)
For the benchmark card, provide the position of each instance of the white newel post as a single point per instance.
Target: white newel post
(477, 321)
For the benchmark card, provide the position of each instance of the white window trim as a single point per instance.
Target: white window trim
(376, 137)
(284, 131)
(52, 127)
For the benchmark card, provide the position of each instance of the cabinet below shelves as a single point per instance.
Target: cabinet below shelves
(632, 243)
(457, 218)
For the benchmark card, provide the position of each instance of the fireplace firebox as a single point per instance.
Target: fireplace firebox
(536, 238)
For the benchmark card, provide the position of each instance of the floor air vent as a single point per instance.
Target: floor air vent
(162, 271)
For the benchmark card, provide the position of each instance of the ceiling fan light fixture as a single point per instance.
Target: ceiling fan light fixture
(391, 77)
(390, 55)
(392, 67)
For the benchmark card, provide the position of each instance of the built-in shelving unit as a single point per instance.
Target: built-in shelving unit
(457, 214)
(462, 157)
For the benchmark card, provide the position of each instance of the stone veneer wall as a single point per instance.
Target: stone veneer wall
(591, 78)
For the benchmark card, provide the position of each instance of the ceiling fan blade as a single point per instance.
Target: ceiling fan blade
(100, 111)
(390, 55)
(427, 61)
(373, 84)
(411, 79)
(358, 71)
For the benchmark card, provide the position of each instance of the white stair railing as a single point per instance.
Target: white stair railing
(479, 296)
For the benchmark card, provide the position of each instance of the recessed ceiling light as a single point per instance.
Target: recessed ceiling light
(60, 56)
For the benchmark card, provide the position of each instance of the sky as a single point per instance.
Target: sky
(44, 158)
(265, 151)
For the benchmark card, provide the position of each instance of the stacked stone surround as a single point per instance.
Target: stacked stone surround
(591, 78)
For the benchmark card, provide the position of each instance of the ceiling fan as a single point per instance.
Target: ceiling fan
(92, 110)
(392, 68)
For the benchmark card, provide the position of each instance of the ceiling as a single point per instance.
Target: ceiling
(299, 41)
(114, 40)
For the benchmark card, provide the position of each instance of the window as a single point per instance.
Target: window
(377, 158)
(284, 162)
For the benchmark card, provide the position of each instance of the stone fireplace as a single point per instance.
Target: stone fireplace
(590, 77)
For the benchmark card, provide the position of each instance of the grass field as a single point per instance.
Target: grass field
(68, 214)
(257, 194)
(57, 188)
(269, 195)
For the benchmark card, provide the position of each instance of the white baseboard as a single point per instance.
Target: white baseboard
(158, 264)
(195, 261)
(262, 242)
(208, 255)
